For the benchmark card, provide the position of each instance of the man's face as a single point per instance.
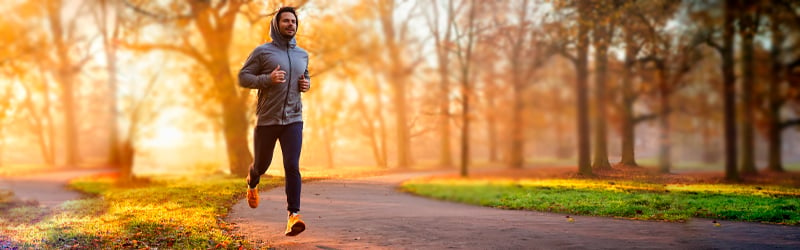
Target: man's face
(287, 24)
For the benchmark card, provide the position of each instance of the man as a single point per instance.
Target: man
(279, 70)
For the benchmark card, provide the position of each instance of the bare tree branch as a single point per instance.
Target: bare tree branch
(643, 118)
(789, 123)
(186, 49)
(160, 17)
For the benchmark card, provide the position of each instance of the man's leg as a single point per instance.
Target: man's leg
(291, 142)
(264, 138)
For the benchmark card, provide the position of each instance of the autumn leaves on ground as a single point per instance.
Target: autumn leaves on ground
(190, 212)
(149, 89)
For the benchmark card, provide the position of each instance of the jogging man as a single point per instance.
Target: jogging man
(279, 70)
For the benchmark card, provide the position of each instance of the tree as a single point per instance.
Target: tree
(672, 59)
(66, 68)
(395, 37)
(442, 38)
(728, 89)
(214, 22)
(526, 54)
(782, 18)
(374, 123)
(22, 62)
(604, 15)
(466, 36)
(564, 41)
(630, 29)
(140, 111)
(581, 66)
(39, 118)
(107, 18)
(748, 16)
(703, 13)
(494, 92)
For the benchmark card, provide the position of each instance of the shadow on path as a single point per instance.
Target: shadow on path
(370, 213)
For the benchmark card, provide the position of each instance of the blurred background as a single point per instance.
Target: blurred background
(151, 88)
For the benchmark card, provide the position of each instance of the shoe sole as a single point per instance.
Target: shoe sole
(297, 228)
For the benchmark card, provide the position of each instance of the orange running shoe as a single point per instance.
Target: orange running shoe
(252, 194)
(295, 225)
(252, 197)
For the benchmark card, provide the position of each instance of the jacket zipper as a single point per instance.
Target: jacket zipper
(288, 85)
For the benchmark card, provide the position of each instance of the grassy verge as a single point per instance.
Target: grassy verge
(175, 214)
(628, 199)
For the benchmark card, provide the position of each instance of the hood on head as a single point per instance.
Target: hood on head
(276, 36)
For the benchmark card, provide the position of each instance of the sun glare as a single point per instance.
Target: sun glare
(165, 136)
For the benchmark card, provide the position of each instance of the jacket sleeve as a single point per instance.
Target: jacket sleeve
(249, 76)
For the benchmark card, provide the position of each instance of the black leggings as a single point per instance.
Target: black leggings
(291, 138)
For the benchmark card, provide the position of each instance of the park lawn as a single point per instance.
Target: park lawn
(623, 199)
(174, 214)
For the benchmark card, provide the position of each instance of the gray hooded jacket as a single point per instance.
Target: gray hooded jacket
(278, 104)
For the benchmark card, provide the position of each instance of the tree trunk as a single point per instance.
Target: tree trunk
(628, 129)
(371, 131)
(628, 138)
(491, 118)
(38, 122)
(217, 39)
(519, 81)
(376, 148)
(127, 149)
(50, 134)
(445, 155)
(44, 146)
(383, 159)
(234, 126)
(665, 146)
(127, 159)
(466, 64)
(581, 88)
(492, 131)
(71, 128)
(65, 76)
(601, 58)
(773, 99)
(398, 81)
(465, 130)
(403, 140)
(747, 30)
(729, 93)
(110, 47)
(517, 132)
(113, 142)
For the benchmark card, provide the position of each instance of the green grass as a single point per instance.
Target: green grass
(628, 199)
(173, 214)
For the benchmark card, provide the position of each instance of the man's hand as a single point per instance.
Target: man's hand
(278, 76)
(304, 83)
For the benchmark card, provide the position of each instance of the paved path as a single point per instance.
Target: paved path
(370, 213)
(49, 189)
